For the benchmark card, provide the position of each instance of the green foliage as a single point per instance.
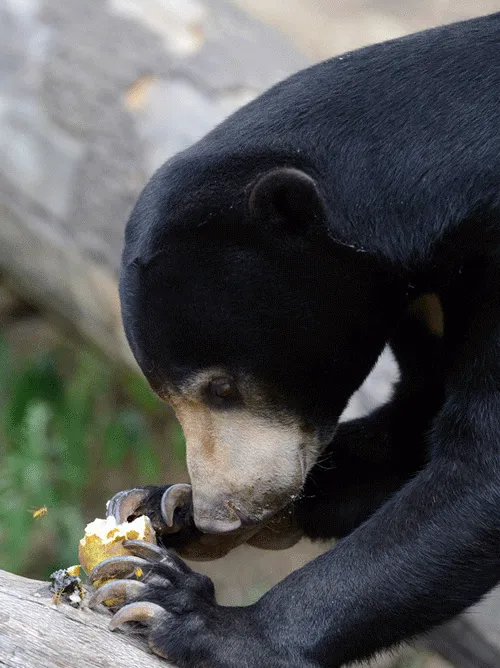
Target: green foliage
(65, 415)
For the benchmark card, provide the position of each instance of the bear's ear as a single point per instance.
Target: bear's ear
(288, 196)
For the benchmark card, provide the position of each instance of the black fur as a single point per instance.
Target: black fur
(390, 190)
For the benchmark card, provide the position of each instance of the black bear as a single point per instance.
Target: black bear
(265, 268)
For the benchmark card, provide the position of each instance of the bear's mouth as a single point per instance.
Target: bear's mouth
(231, 516)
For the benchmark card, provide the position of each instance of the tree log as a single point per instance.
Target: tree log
(36, 633)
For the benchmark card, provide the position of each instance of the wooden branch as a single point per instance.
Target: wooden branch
(36, 633)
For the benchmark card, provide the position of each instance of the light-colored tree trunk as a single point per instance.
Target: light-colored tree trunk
(94, 95)
(36, 633)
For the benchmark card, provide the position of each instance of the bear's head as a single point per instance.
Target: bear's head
(248, 316)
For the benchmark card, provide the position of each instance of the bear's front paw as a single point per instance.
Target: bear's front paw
(176, 609)
(169, 507)
(172, 604)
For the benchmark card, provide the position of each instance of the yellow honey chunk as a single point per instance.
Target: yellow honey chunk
(104, 539)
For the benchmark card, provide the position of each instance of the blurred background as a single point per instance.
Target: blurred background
(94, 95)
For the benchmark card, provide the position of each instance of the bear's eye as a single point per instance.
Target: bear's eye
(222, 392)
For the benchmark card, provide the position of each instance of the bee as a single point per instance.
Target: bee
(57, 597)
(36, 513)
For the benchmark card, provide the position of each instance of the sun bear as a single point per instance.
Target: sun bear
(265, 269)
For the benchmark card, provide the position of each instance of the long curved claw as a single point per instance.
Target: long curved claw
(176, 497)
(144, 550)
(118, 568)
(124, 504)
(117, 591)
(146, 613)
(156, 555)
